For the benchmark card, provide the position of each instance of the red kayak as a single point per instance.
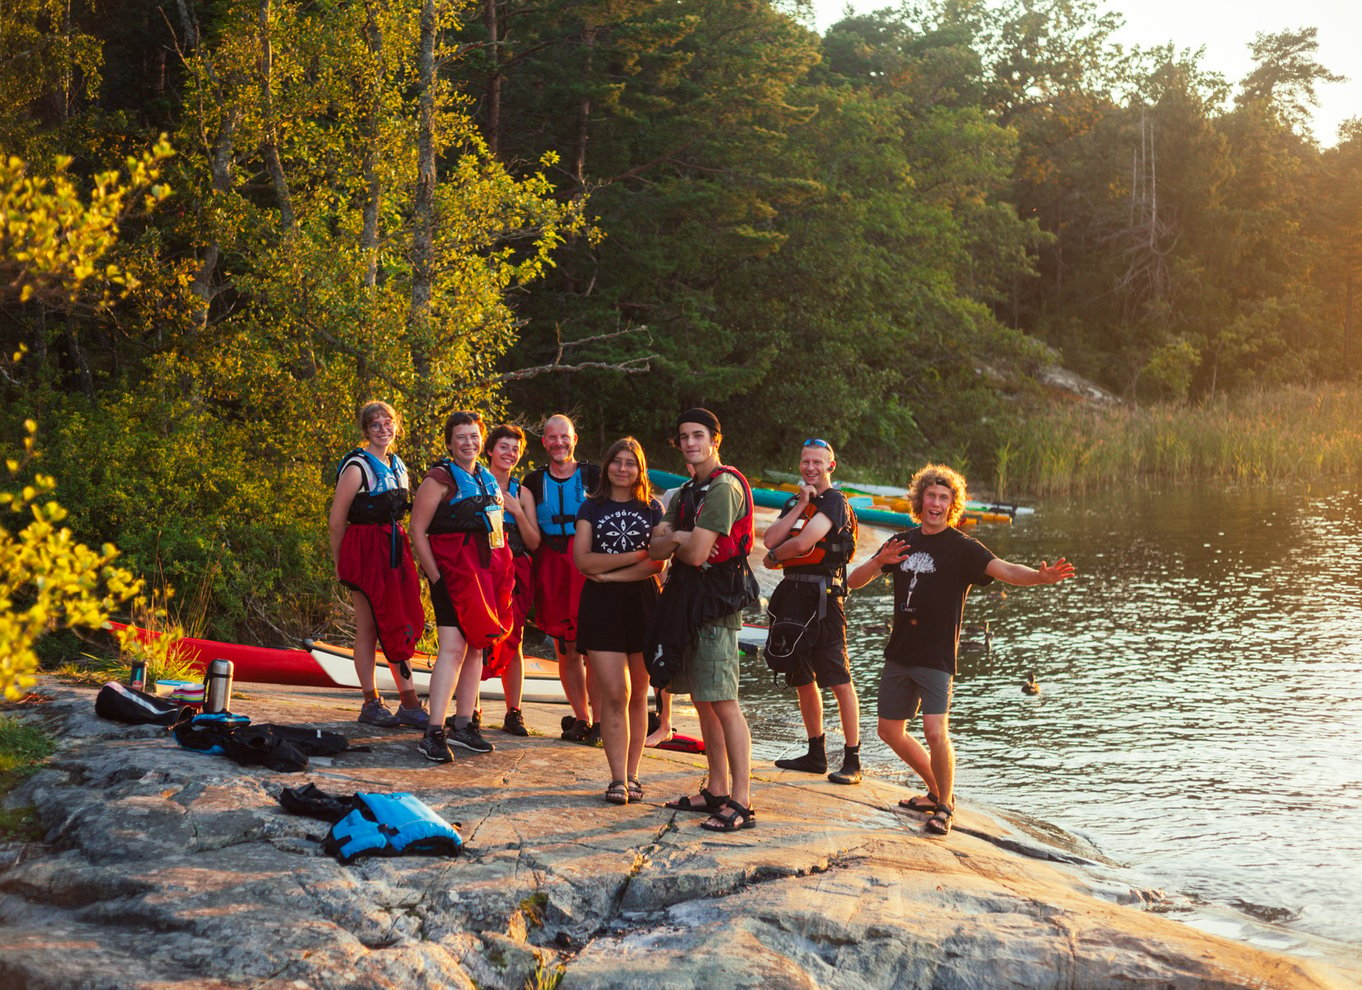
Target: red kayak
(324, 665)
(250, 663)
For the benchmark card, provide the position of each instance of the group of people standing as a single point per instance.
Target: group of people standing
(584, 549)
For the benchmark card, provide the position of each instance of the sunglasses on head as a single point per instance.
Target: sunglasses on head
(815, 442)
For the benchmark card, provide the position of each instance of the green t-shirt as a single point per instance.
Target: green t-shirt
(724, 503)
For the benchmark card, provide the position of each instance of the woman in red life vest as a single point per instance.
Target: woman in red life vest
(374, 562)
(458, 535)
(613, 528)
(504, 447)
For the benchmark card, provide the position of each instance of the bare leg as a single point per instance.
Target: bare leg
(366, 643)
(470, 682)
(610, 673)
(811, 708)
(513, 679)
(737, 746)
(937, 730)
(716, 755)
(848, 706)
(909, 750)
(664, 716)
(572, 674)
(638, 711)
(449, 664)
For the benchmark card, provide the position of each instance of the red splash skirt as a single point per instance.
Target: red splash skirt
(522, 600)
(392, 592)
(479, 581)
(557, 588)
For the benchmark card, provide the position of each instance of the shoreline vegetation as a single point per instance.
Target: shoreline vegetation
(1297, 433)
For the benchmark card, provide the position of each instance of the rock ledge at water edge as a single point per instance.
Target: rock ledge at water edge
(164, 868)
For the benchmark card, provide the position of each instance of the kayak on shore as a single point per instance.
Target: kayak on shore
(872, 509)
(327, 665)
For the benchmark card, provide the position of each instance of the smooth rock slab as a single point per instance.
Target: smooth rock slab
(165, 868)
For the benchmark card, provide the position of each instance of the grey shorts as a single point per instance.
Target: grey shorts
(903, 690)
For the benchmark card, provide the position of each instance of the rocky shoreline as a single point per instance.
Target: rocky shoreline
(164, 868)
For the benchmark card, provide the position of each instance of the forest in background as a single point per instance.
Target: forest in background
(883, 236)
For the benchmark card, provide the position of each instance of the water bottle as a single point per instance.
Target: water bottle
(137, 675)
(217, 688)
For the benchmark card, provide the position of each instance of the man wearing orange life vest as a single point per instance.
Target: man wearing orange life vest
(811, 543)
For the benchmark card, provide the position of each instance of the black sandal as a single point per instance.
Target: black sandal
(635, 789)
(617, 792)
(713, 802)
(940, 821)
(920, 802)
(733, 817)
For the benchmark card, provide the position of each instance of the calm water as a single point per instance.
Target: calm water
(1200, 719)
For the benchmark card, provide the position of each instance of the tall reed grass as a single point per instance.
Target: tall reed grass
(1300, 433)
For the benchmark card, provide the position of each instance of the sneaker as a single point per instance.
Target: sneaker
(470, 738)
(375, 712)
(577, 731)
(434, 748)
(413, 718)
(593, 735)
(514, 723)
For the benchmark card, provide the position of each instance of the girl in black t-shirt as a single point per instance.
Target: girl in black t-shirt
(611, 551)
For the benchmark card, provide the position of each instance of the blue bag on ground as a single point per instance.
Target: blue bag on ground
(399, 824)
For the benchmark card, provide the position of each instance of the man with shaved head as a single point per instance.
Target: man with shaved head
(553, 494)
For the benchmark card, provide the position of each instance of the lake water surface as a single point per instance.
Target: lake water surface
(1200, 718)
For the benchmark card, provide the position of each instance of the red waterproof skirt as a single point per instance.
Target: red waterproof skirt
(557, 588)
(479, 581)
(392, 592)
(522, 600)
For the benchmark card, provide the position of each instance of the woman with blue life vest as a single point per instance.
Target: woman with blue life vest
(504, 447)
(459, 537)
(613, 528)
(374, 561)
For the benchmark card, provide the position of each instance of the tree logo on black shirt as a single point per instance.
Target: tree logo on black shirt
(915, 564)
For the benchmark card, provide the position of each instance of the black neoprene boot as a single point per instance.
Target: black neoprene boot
(814, 761)
(851, 767)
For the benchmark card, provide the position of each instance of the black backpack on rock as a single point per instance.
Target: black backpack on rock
(120, 703)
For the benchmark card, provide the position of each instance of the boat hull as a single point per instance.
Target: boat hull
(326, 665)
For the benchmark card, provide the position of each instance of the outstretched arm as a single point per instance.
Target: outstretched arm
(1020, 574)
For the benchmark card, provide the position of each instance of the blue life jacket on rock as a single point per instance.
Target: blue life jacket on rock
(398, 824)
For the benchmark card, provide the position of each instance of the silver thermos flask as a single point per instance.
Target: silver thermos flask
(217, 689)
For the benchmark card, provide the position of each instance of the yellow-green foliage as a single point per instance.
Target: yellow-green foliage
(53, 239)
(1264, 436)
(47, 579)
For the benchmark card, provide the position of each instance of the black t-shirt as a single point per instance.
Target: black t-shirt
(930, 587)
(619, 527)
(833, 504)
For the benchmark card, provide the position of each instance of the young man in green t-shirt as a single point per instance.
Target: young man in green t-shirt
(707, 533)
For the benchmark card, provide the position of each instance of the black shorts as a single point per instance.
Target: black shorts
(825, 659)
(614, 618)
(442, 605)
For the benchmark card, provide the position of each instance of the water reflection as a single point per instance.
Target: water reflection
(1200, 706)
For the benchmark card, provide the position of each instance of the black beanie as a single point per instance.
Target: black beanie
(702, 416)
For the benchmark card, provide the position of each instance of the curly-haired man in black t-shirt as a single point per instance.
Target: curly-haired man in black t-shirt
(933, 566)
